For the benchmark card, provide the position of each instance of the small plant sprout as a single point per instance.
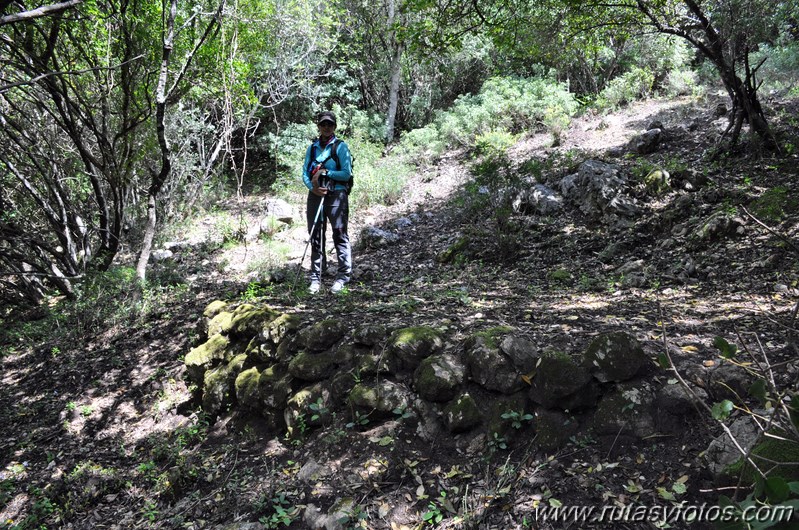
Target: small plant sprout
(402, 413)
(318, 409)
(517, 418)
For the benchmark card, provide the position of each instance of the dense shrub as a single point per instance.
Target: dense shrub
(781, 69)
(503, 105)
(682, 83)
(632, 85)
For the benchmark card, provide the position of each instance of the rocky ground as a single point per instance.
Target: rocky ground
(104, 430)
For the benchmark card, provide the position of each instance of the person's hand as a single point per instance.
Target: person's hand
(318, 172)
(321, 192)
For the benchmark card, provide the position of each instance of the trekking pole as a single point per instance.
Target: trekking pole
(310, 237)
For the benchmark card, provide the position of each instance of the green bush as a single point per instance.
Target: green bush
(781, 69)
(378, 179)
(504, 105)
(288, 148)
(630, 86)
(494, 142)
(682, 83)
(424, 144)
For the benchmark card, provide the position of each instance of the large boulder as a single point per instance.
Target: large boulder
(369, 334)
(275, 385)
(373, 237)
(539, 199)
(502, 413)
(280, 209)
(439, 377)
(719, 225)
(309, 407)
(408, 346)
(728, 380)
(647, 142)
(247, 388)
(211, 310)
(490, 368)
(598, 189)
(219, 323)
(557, 376)
(676, 407)
(722, 452)
(775, 455)
(615, 357)
(279, 328)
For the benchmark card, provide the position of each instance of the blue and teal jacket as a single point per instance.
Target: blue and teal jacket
(339, 176)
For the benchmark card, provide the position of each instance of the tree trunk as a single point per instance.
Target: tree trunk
(393, 95)
(160, 177)
(162, 96)
(396, 71)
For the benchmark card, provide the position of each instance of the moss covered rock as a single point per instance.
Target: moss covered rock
(261, 352)
(439, 377)
(274, 386)
(309, 407)
(324, 334)
(554, 429)
(462, 414)
(372, 363)
(214, 308)
(500, 414)
(369, 334)
(311, 367)
(248, 320)
(205, 356)
(785, 451)
(277, 330)
(522, 353)
(247, 388)
(408, 346)
(557, 376)
(657, 181)
(220, 323)
(218, 384)
(615, 357)
(455, 253)
(380, 399)
(626, 410)
(490, 367)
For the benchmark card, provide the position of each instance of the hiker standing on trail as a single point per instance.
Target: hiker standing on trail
(327, 174)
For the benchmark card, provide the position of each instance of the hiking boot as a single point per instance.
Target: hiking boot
(338, 285)
(314, 287)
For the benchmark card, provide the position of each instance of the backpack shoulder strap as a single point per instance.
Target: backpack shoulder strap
(312, 155)
(334, 153)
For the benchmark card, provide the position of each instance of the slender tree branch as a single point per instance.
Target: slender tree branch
(38, 12)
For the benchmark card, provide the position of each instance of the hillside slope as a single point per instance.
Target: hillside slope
(108, 434)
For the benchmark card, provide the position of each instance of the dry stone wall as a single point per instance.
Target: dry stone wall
(298, 375)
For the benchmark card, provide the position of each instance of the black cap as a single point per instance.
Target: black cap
(326, 116)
